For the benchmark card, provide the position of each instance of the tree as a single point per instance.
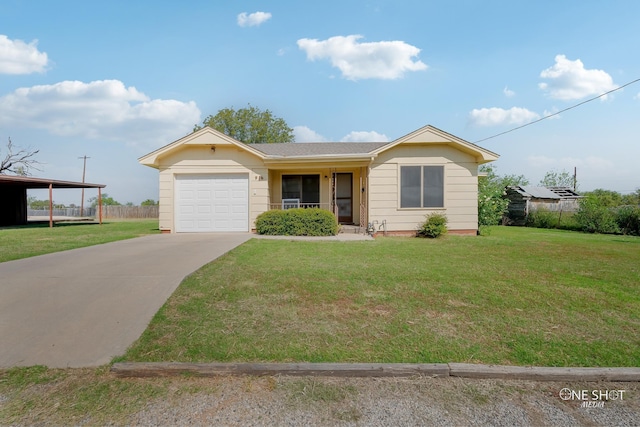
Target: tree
(491, 203)
(149, 202)
(249, 125)
(106, 201)
(631, 198)
(606, 198)
(18, 162)
(557, 179)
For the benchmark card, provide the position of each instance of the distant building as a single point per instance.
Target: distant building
(524, 199)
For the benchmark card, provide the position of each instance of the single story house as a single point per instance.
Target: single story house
(210, 182)
(526, 198)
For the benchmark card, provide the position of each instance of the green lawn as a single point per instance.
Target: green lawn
(518, 296)
(37, 239)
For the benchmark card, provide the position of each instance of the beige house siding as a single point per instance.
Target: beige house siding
(200, 160)
(460, 187)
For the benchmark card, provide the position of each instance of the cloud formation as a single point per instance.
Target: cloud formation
(499, 116)
(18, 57)
(569, 80)
(253, 19)
(508, 92)
(378, 60)
(103, 109)
(361, 136)
(304, 134)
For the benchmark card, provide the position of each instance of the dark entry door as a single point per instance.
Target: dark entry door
(344, 197)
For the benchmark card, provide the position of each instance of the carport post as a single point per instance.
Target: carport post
(100, 204)
(50, 205)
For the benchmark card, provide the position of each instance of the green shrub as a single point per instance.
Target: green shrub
(594, 217)
(297, 222)
(568, 222)
(434, 226)
(542, 218)
(628, 220)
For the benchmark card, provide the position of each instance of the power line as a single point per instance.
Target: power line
(559, 112)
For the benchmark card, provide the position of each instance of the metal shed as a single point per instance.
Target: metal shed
(526, 198)
(13, 196)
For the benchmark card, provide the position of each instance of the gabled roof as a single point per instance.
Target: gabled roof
(431, 134)
(204, 136)
(321, 151)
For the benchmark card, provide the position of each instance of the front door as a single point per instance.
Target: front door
(344, 197)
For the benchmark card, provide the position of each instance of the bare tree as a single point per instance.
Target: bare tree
(18, 160)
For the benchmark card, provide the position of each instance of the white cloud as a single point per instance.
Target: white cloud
(103, 109)
(508, 92)
(499, 116)
(18, 57)
(304, 134)
(361, 136)
(253, 19)
(377, 60)
(569, 80)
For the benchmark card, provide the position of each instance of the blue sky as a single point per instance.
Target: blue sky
(114, 80)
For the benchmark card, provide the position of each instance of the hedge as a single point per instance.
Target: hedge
(297, 222)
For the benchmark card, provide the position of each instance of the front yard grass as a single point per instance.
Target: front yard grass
(518, 296)
(38, 239)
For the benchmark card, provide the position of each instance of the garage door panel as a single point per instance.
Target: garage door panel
(207, 203)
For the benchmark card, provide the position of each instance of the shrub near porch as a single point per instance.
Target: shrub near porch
(297, 222)
(518, 296)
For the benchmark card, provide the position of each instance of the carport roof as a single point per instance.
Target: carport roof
(29, 182)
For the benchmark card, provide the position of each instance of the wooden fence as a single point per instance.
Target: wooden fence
(122, 212)
(116, 212)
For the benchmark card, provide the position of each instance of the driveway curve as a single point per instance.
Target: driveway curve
(82, 307)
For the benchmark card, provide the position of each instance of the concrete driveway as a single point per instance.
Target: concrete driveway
(82, 307)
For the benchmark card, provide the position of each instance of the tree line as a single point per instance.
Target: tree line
(107, 200)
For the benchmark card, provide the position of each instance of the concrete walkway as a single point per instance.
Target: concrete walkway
(80, 308)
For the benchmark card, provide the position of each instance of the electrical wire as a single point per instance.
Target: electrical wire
(558, 112)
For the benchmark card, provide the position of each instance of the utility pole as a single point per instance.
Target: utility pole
(575, 178)
(84, 169)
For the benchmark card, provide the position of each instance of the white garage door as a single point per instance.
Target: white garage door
(207, 203)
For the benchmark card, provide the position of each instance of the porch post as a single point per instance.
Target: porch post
(334, 193)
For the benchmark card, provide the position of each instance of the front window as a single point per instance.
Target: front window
(422, 186)
(306, 188)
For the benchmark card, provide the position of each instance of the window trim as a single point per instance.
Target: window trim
(421, 207)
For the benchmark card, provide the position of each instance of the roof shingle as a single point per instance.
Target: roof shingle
(298, 149)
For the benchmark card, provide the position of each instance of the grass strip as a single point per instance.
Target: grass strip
(38, 239)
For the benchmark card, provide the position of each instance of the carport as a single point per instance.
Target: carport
(13, 194)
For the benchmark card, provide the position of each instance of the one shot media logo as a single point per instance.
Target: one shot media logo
(591, 398)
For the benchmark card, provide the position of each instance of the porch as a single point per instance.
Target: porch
(342, 192)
